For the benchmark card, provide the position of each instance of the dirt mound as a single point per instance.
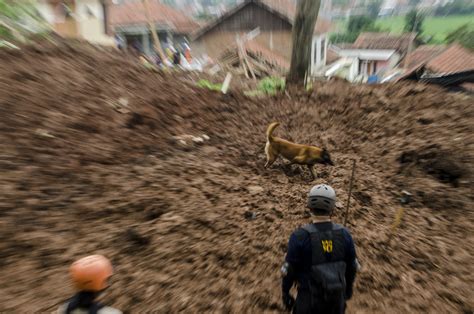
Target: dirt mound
(100, 155)
(443, 165)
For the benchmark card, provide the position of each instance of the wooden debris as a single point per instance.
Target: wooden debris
(225, 85)
(242, 61)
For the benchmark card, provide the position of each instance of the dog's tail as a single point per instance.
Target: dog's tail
(270, 130)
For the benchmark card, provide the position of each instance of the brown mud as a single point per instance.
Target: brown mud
(90, 163)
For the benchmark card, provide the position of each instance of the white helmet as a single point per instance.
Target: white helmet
(322, 198)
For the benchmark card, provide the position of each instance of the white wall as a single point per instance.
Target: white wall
(319, 50)
(89, 15)
(46, 12)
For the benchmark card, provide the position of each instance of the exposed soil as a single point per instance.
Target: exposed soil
(93, 160)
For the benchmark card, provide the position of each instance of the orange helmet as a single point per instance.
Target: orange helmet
(91, 273)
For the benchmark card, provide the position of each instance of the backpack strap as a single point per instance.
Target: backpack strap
(335, 243)
(310, 228)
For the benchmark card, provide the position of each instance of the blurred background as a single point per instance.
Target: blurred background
(136, 130)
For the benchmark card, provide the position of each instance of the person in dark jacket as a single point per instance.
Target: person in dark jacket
(321, 260)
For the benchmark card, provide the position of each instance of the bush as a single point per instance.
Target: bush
(343, 37)
(355, 26)
(271, 85)
(464, 35)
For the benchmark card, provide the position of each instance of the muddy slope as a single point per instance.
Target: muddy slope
(89, 164)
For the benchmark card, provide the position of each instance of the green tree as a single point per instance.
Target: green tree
(343, 38)
(374, 8)
(363, 23)
(463, 35)
(19, 18)
(340, 3)
(414, 22)
(460, 7)
(355, 26)
(413, 3)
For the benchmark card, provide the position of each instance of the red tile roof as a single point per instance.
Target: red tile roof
(133, 13)
(421, 55)
(384, 41)
(455, 59)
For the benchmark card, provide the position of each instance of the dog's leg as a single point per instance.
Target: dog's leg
(310, 167)
(271, 157)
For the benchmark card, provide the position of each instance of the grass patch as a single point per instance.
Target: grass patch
(209, 85)
(267, 86)
(271, 85)
(436, 26)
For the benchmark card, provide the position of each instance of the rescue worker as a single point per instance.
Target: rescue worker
(321, 260)
(89, 275)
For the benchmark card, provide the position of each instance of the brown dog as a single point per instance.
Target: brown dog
(295, 153)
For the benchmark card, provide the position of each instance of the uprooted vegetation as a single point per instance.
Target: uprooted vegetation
(92, 163)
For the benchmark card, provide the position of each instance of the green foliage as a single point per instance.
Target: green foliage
(209, 85)
(340, 3)
(7, 9)
(268, 86)
(435, 26)
(354, 27)
(464, 35)
(414, 22)
(254, 93)
(343, 37)
(458, 7)
(5, 33)
(363, 23)
(413, 3)
(19, 19)
(271, 85)
(374, 8)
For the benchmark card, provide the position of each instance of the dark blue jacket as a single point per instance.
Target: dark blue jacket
(299, 259)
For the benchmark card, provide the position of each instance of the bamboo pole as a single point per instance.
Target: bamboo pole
(156, 41)
(350, 193)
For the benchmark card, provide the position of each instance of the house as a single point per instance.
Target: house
(128, 20)
(400, 43)
(367, 62)
(82, 19)
(446, 66)
(270, 22)
(372, 55)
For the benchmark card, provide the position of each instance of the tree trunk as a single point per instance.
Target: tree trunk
(303, 29)
(156, 41)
